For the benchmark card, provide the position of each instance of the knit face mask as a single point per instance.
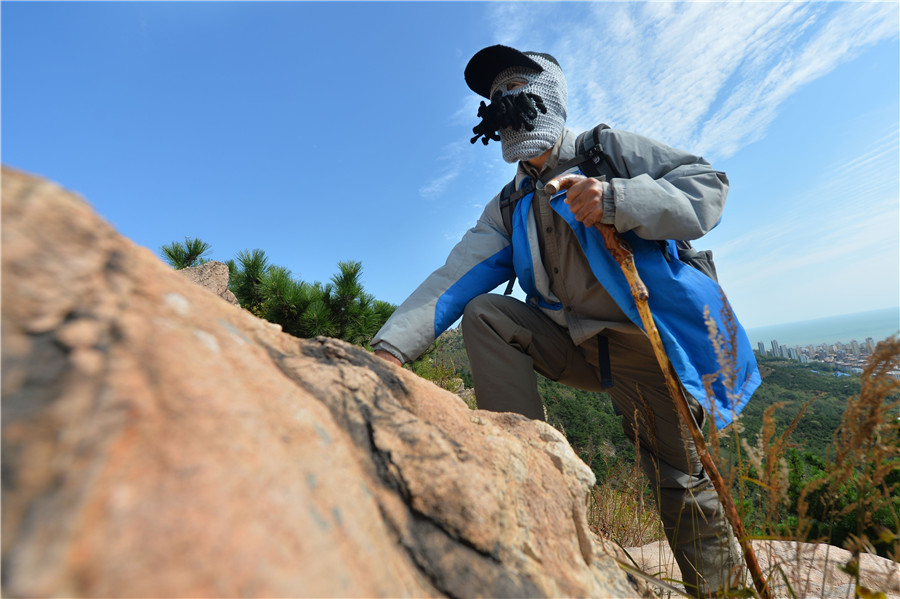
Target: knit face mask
(528, 119)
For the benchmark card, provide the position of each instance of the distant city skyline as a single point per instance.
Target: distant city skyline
(878, 324)
(850, 358)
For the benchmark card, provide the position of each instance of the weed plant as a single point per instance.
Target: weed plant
(852, 498)
(621, 508)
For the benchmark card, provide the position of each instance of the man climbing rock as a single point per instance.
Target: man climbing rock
(579, 324)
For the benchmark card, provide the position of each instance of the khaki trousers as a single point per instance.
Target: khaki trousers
(508, 341)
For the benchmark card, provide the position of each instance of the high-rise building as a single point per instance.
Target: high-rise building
(870, 345)
(854, 347)
(775, 351)
(762, 349)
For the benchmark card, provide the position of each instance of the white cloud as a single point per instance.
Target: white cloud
(800, 51)
(439, 184)
(709, 77)
(465, 116)
(842, 219)
(452, 157)
(821, 250)
(881, 149)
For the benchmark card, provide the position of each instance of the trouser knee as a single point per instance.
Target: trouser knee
(481, 311)
(497, 343)
(472, 314)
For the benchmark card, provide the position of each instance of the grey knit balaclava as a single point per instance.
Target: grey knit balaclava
(533, 115)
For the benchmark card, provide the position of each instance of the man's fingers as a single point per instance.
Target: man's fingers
(585, 199)
(593, 219)
(587, 209)
(565, 182)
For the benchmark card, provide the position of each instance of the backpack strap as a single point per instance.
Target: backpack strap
(507, 204)
(509, 196)
(588, 152)
(589, 157)
(594, 161)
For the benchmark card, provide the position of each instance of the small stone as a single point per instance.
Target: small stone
(212, 275)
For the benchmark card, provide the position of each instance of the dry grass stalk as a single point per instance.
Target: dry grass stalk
(866, 467)
(867, 459)
(767, 457)
(618, 509)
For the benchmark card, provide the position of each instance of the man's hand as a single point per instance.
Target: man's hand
(388, 357)
(584, 198)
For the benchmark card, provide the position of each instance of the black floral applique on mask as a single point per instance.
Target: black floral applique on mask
(516, 111)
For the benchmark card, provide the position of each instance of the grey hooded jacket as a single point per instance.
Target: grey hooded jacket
(668, 194)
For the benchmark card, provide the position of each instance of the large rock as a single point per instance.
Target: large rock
(212, 275)
(813, 570)
(160, 442)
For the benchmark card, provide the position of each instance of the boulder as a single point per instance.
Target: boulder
(212, 275)
(814, 570)
(157, 441)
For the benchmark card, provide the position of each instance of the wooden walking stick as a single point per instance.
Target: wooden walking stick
(623, 255)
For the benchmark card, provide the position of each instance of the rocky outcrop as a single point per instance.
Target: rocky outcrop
(157, 441)
(211, 275)
(814, 570)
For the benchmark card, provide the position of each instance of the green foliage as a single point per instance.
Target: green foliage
(818, 458)
(859, 488)
(185, 254)
(350, 308)
(793, 385)
(621, 508)
(340, 309)
(437, 365)
(294, 304)
(246, 277)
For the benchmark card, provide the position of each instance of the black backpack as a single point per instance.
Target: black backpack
(594, 162)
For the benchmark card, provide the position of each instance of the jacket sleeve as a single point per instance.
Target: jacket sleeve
(669, 193)
(477, 264)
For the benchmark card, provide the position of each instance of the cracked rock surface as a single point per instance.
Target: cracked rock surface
(157, 441)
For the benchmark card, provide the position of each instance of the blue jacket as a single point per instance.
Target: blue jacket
(668, 194)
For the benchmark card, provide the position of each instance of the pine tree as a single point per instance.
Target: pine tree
(246, 277)
(288, 302)
(185, 254)
(349, 305)
(340, 309)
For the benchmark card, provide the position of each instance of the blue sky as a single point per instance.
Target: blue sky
(322, 132)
